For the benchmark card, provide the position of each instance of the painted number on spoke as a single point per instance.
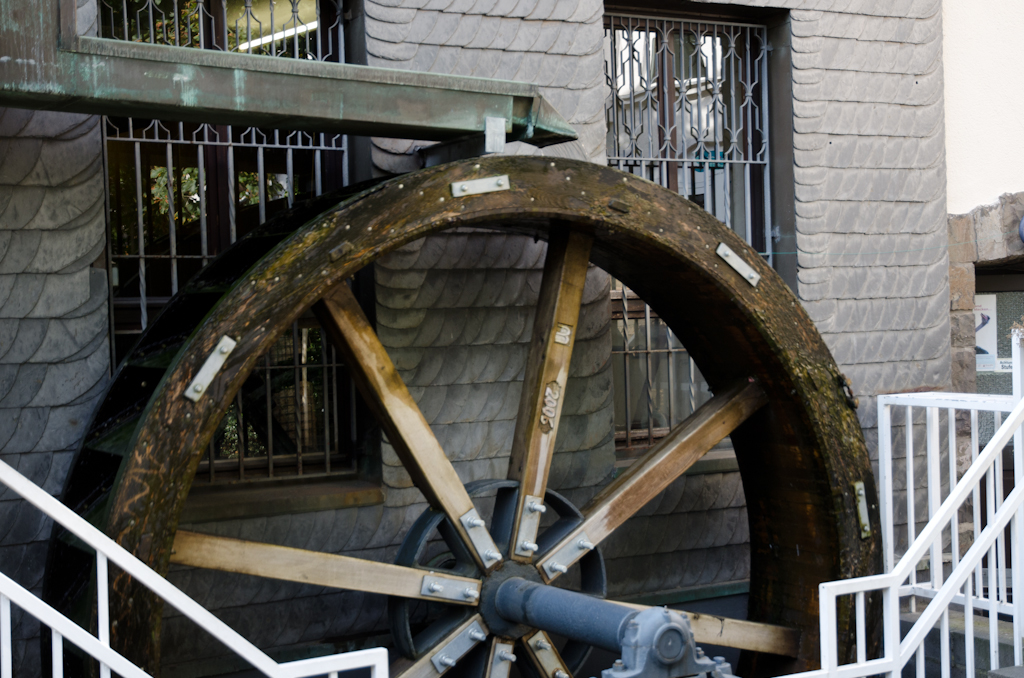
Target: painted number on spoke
(563, 334)
(552, 392)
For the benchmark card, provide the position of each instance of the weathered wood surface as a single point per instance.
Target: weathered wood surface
(547, 370)
(670, 458)
(306, 567)
(799, 456)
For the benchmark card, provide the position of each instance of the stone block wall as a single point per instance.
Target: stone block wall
(986, 235)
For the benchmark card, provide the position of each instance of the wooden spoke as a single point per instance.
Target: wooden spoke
(653, 472)
(424, 666)
(547, 370)
(738, 633)
(544, 656)
(403, 422)
(312, 567)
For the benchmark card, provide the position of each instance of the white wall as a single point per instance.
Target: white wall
(983, 60)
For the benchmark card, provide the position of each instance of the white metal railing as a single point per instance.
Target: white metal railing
(979, 580)
(98, 647)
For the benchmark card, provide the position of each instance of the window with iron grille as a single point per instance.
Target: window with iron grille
(179, 194)
(686, 108)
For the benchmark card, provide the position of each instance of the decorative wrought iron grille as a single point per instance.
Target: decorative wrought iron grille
(179, 194)
(687, 108)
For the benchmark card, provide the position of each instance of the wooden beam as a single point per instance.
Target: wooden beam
(738, 633)
(309, 567)
(652, 473)
(387, 396)
(547, 371)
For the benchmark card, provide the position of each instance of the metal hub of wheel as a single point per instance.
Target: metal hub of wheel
(777, 393)
(422, 549)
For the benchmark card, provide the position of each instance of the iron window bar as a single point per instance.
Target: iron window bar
(648, 374)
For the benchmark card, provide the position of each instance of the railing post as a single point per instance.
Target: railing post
(885, 472)
(6, 661)
(934, 483)
(56, 654)
(827, 629)
(102, 607)
(1017, 533)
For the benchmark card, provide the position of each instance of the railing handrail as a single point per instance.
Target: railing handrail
(964, 569)
(68, 629)
(374, 658)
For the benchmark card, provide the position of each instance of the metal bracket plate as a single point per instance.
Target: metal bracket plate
(529, 526)
(862, 510)
(547, 659)
(494, 135)
(500, 667)
(566, 556)
(736, 262)
(443, 588)
(480, 537)
(478, 186)
(210, 368)
(447, 656)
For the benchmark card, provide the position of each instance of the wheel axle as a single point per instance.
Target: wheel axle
(655, 643)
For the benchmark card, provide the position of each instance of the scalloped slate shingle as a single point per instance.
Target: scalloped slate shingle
(54, 351)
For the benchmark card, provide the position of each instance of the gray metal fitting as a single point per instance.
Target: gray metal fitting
(537, 507)
(528, 546)
(507, 656)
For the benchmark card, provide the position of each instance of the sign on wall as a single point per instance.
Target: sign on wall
(986, 339)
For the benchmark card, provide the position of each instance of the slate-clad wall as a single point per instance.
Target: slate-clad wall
(54, 351)
(869, 163)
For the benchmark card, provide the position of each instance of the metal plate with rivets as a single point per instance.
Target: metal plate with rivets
(529, 525)
(566, 556)
(458, 646)
(546, 656)
(480, 537)
(210, 368)
(443, 588)
(736, 262)
(478, 186)
(500, 666)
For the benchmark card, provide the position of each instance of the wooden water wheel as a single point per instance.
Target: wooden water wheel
(778, 394)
